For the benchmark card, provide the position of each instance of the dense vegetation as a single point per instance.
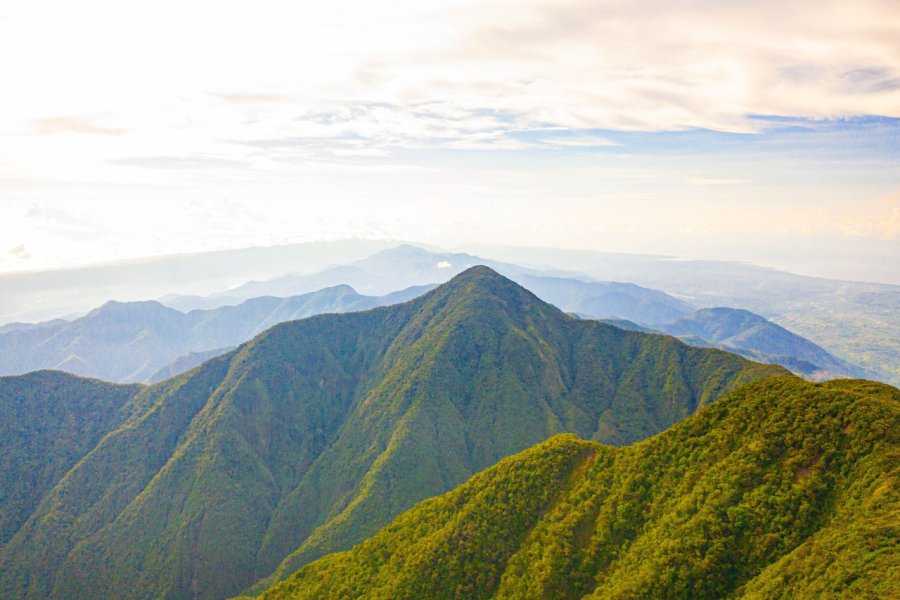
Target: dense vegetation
(317, 433)
(783, 489)
(48, 422)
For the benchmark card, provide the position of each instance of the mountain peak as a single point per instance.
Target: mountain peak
(486, 282)
(480, 273)
(140, 307)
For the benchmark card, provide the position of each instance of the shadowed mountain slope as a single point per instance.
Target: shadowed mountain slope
(318, 432)
(783, 489)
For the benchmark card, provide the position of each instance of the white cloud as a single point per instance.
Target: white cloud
(20, 252)
(444, 265)
(579, 141)
(716, 181)
(456, 73)
(54, 125)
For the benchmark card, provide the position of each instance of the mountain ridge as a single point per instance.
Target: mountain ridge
(781, 489)
(146, 342)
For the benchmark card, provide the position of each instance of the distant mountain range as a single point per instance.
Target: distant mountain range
(750, 335)
(410, 267)
(856, 321)
(314, 435)
(147, 342)
(42, 295)
(783, 489)
(736, 330)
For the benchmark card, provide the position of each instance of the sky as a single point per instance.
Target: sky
(760, 131)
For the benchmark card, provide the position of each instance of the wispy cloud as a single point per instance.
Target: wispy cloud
(579, 141)
(703, 181)
(251, 97)
(181, 162)
(55, 125)
(20, 252)
(650, 65)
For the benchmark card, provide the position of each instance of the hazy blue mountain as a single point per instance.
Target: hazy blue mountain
(858, 322)
(42, 295)
(148, 342)
(753, 336)
(750, 335)
(312, 436)
(738, 331)
(24, 326)
(143, 341)
(409, 266)
(186, 363)
(187, 303)
(625, 324)
(605, 300)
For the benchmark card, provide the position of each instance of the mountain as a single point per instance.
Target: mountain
(751, 335)
(48, 422)
(24, 326)
(606, 300)
(315, 434)
(149, 342)
(782, 489)
(738, 331)
(409, 266)
(858, 322)
(146, 341)
(40, 295)
(186, 363)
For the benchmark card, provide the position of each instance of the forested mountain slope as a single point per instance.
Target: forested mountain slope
(48, 422)
(783, 489)
(317, 433)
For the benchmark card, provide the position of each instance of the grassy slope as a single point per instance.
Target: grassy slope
(783, 489)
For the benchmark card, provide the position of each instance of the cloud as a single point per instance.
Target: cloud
(703, 181)
(251, 97)
(181, 162)
(879, 219)
(55, 125)
(652, 65)
(19, 252)
(320, 82)
(379, 128)
(579, 141)
(444, 265)
(71, 225)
